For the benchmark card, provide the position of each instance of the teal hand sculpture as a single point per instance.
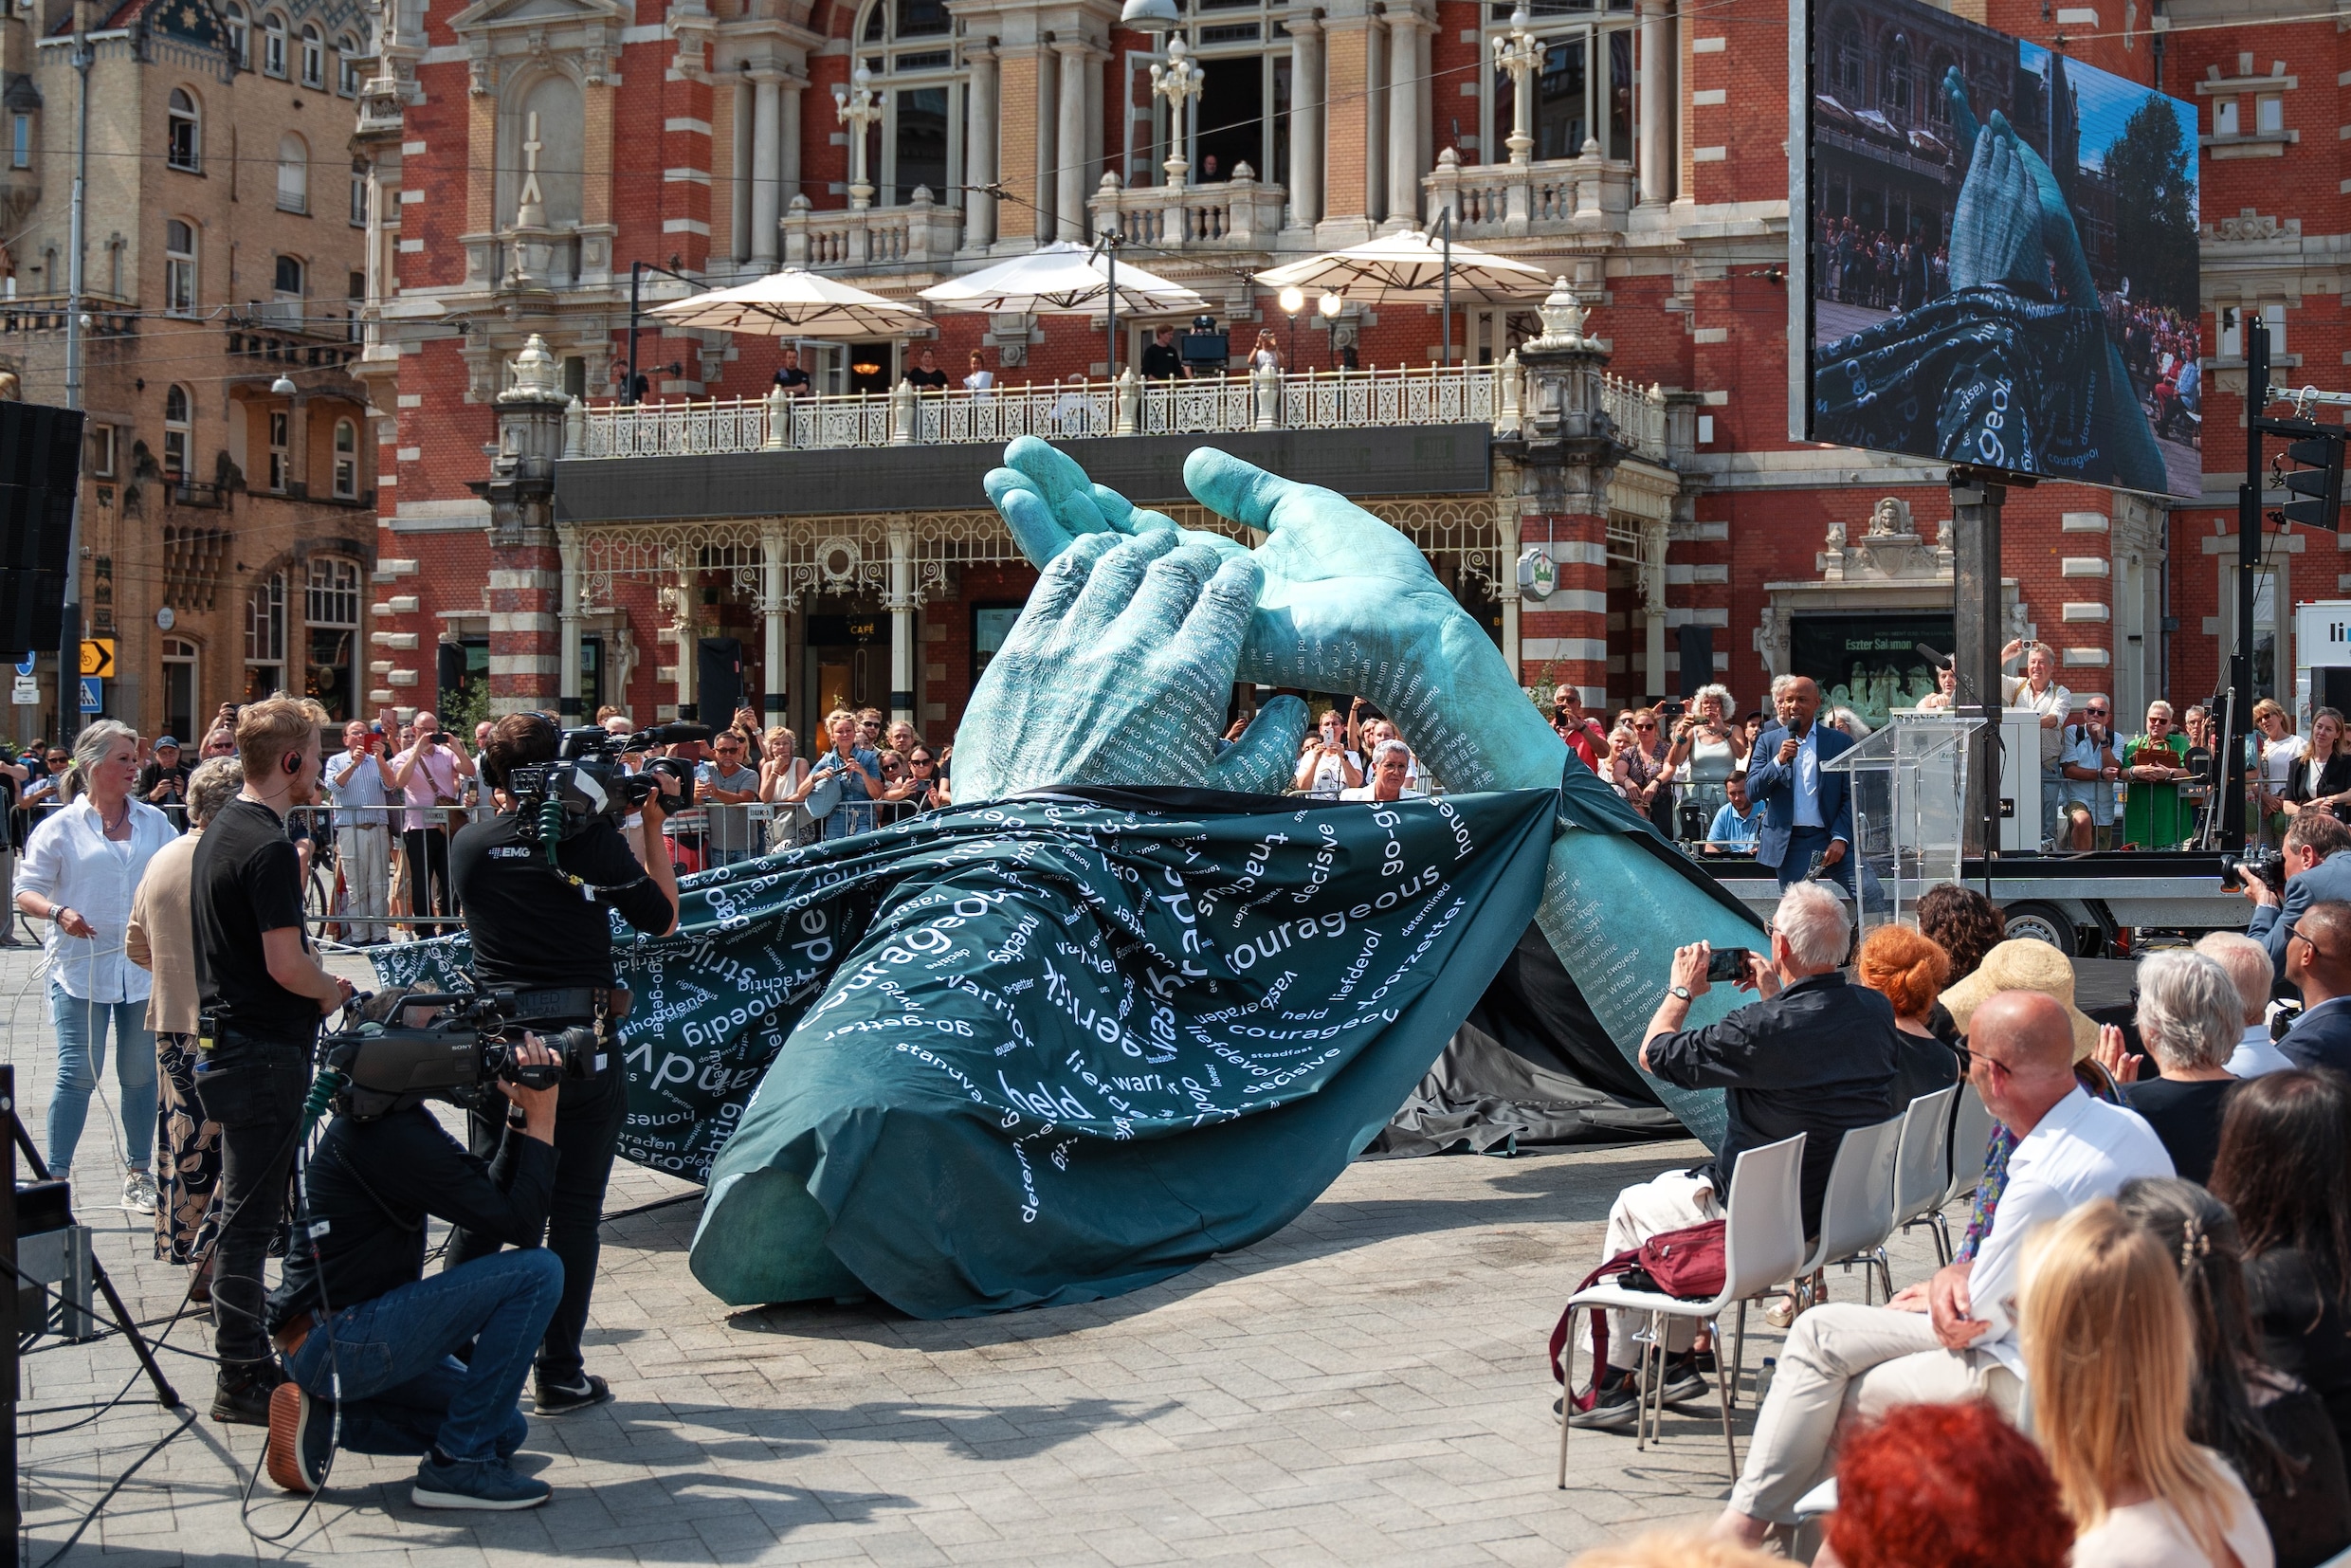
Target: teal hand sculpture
(1349, 604)
(1118, 672)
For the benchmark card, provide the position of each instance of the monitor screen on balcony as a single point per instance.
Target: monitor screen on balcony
(1998, 266)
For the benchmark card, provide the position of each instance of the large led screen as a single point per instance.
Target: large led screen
(1998, 261)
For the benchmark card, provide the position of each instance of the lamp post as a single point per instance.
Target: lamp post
(859, 106)
(1328, 308)
(1519, 53)
(1179, 81)
(1293, 300)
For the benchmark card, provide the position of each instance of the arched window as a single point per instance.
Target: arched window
(1894, 95)
(178, 431)
(908, 46)
(183, 146)
(265, 638)
(331, 624)
(286, 279)
(346, 460)
(273, 46)
(347, 67)
(179, 268)
(240, 35)
(293, 174)
(1845, 65)
(313, 57)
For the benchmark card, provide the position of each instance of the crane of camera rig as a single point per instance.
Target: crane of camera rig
(2310, 472)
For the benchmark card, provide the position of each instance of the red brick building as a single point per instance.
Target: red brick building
(524, 154)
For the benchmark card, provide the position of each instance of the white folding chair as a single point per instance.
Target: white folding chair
(1857, 1207)
(1923, 1164)
(1762, 1242)
(1971, 1131)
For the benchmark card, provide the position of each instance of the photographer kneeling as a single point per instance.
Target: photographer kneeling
(535, 933)
(356, 1316)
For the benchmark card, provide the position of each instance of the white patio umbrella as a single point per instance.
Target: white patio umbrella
(794, 303)
(1065, 279)
(1410, 266)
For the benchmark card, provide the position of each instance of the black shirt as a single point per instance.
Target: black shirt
(374, 1182)
(928, 380)
(247, 879)
(1921, 1067)
(529, 927)
(791, 375)
(2301, 1329)
(2185, 1114)
(155, 773)
(1162, 362)
(1818, 1059)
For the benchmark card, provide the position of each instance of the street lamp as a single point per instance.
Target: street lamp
(1328, 307)
(1519, 53)
(858, 109)
(1293, 300)
(1179, 81)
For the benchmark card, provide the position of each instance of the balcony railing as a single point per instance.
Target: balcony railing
(1234, 214)
(921, 234)
(1638, 415)
(1557, 196)
(1265, 400)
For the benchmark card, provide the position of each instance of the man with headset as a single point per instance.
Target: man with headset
(262, 993)
(547, 935)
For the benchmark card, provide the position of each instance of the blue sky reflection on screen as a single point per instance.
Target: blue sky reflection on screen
(2107, 102)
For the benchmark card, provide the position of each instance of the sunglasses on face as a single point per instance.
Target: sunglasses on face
(921, 762)
(1644, 727)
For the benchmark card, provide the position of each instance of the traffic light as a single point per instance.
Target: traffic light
(2314, 482)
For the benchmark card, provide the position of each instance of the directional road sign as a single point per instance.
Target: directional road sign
(23, 666)
(97, 657)
(26, 692)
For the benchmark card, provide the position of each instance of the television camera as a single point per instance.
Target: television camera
(458, 1051)
(585, 781)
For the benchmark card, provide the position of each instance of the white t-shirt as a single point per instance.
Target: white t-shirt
(980, 381)
(2152, 1534)
(1364, 792)
(2278, 758)
(2017, 691)
(1329, 778)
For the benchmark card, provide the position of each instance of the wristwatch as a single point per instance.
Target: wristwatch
(1682, 991)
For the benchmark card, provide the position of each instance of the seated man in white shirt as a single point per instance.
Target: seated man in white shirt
(1954, 1337)
(2250, 971)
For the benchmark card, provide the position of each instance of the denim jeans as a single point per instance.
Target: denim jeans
(81, 1029)
(254, 1089)
(388, 1359)
(589, 1117)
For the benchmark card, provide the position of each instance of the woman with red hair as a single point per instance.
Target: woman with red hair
(1910, 970)
(1945, 1486)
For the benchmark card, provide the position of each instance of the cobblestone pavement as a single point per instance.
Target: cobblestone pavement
(1365, 1387)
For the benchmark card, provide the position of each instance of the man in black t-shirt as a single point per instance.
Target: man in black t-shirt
(534, 933)
(791, 378)
(1160, 360)
(262, 993)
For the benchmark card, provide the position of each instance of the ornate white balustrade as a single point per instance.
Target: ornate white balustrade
(920, 234)
(1234, 214)
(1638, 414)
(1557, 196)
(1262, 401)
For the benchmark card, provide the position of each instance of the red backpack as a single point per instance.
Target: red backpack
(1685, 1264)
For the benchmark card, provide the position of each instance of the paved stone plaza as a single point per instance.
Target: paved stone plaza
(1365, 1387)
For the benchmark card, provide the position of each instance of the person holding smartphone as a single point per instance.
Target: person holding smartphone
(860, 769)
(1328, 765)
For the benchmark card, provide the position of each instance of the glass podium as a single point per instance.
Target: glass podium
(1908, 787)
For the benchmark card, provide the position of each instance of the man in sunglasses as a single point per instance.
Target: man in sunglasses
(1581, 731)
(2316, 873)
(2318, 963)
(2088, 769)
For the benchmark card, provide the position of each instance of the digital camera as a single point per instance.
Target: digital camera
(558, 799)
(2269, 865)
(458, 1054)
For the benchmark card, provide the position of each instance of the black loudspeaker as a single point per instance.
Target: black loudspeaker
(1696, 660)
(448, 671)
(40, 469)
(2330, 687)
(718, 679)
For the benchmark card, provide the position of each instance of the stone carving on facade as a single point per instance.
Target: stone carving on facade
(1890, 549)
(2250, 224)
(1774, 629)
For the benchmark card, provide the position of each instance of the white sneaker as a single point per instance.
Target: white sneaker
(138, 1192)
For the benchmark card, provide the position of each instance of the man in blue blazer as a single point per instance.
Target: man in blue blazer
(1803, 809)
(2316, 871)
(2318, 961)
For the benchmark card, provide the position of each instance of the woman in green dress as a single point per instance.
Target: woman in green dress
(2154, 817)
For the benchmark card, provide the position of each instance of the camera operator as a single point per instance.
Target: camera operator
(534, 933)
(263, 994)
(2315, 872)
(356, 1317)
